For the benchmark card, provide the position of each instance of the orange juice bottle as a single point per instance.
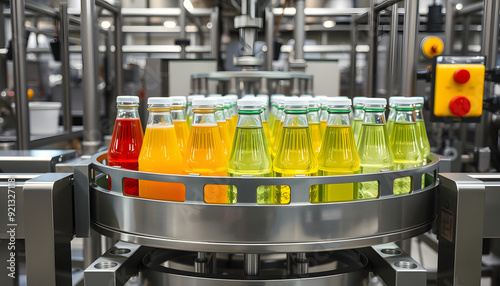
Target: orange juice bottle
(160, 153)
(189, 109)
(225, 134)
(180, 123)
(205, 154)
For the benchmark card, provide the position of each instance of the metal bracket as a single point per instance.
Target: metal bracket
(245, 21)
(394, 266)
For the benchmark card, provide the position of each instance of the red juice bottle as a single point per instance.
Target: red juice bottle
(126, 142)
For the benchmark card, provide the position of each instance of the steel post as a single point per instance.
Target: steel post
(182, 24)
(65, 70)
(252, 264)
(3, 61)
(393, 51)
(372, 56)
(269, 38)
(118, 52)
(20, 83)
(91, 135)
(409, 61)
(354, 40)
(449, 27)
(299, 32)
(214, 33)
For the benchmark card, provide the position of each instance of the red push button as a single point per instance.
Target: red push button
(460, 106)
(461, 76)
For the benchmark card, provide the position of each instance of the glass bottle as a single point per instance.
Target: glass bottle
(338, 155)
(393, 100)
(126, 142)
(272, 113)
(278, 124)
(314, 123)
(263, 117)
(423, 140)
(205, 153)
(189, 108)
(225, 134)
(160, 153)
(295, 154)
(404, 143)
(357, 117)
(180, 122)
(374, 149)
(250, 155)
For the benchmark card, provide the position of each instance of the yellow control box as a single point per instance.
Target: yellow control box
(458, 90)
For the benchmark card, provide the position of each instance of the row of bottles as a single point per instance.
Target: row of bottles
(291, 143)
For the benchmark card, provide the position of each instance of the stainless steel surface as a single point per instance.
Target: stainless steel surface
(91, 248)
(82, 201)
(251, 228)
(323, 12)
(381, 5)
(301, 264)
(3, 60)
(48, 229)
(354, 40)
(65, 70)
(118, 51)
(372, 42)
(20, 83)
(116, 266)
(201, 263)
(167, 267)
(182, 24)
(449, 27)
(108, 6)
(250, 75)
(461, 201)
(43, 140)
(269, 38)
(252, 264)
(491, 184)
(396, 267)
(91, 134)
(393, 51)
(299, 32)
(215, 39)
(410, 46)
(33, 161)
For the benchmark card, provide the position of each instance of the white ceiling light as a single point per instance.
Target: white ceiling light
(459, 6)
(169, 24)
(188, 5)
(106, 24)
(329, 24)
(210, 25)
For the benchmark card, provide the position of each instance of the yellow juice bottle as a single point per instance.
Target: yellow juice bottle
(423, 140)
(323, 114)
(160, 153)
(227, 114)
(180, 122)
(263, 116)
(295, 154)
(314, 123)
(225, 134)
(393, 100)
(357, 116)
(250, 155)
(278, 125)
(338, 155)
(205, 153)
(404, 144)
(272, 114)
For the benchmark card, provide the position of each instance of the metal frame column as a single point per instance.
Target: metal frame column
(20, 83)
(118, 50)
(372, 61)
(91, 134)
(409, 61)
(3, 60)
(299, 32)
(354, 40)
(65, 70)
(393, 50)
(269, 38)
(449, 27)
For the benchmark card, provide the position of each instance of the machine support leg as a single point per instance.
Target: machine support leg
(301, 264)
(252, 264)
(201, 263)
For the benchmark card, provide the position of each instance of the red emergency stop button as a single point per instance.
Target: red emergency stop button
(460, 106)
(461, 76)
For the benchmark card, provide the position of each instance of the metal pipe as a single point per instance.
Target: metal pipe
(118, 52)
(386, 4)
(182, 24)
(65, 71)
(214, 33)
(110, 7)
(372, 23)
(449, 27)
(301, 264)
(252, 264)
(410, 34)
(470, 9)
(393, 50)
(465, 35)
(20, 83)
(354, 39)
(200, 263)
(3, 60)
(269, 38)
(91, 133)
(299, 30)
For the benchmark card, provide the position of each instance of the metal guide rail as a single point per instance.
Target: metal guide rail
(248, 227)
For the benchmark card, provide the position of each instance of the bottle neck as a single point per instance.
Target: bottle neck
(358, 113)
(127, 112)
(418, 114)
(295, 119)
(313, 115)
(160, 116)
(263, 116)
(374, 117)
(248, 119)
(178, 114)
(204, 117)
(219, 115)
(339, 118)
(405, 115)
(280, 114)
(392, 114)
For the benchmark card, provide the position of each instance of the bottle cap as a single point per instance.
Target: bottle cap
(204, 102)
(296, 102)
(320, 96)
(307, 96)
(250, 102)
(262, 100)
(215, 95)
(264, 96)
(394, 99)
(127, 100)
(220, 101)
(191, 97)
(358, 100)
(375, 101)
(274, 96)
(178, 100)
(418, 100)
(248, 95)
(404, 101)
(160, 100)
(279, 100)
(337, 101)
(314, 102)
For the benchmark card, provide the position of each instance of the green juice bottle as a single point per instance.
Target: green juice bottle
(338, 155)
(250, 155)
(374, 148)
(405, 144)
(357, 116)
(423, 140)
(392, 111)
